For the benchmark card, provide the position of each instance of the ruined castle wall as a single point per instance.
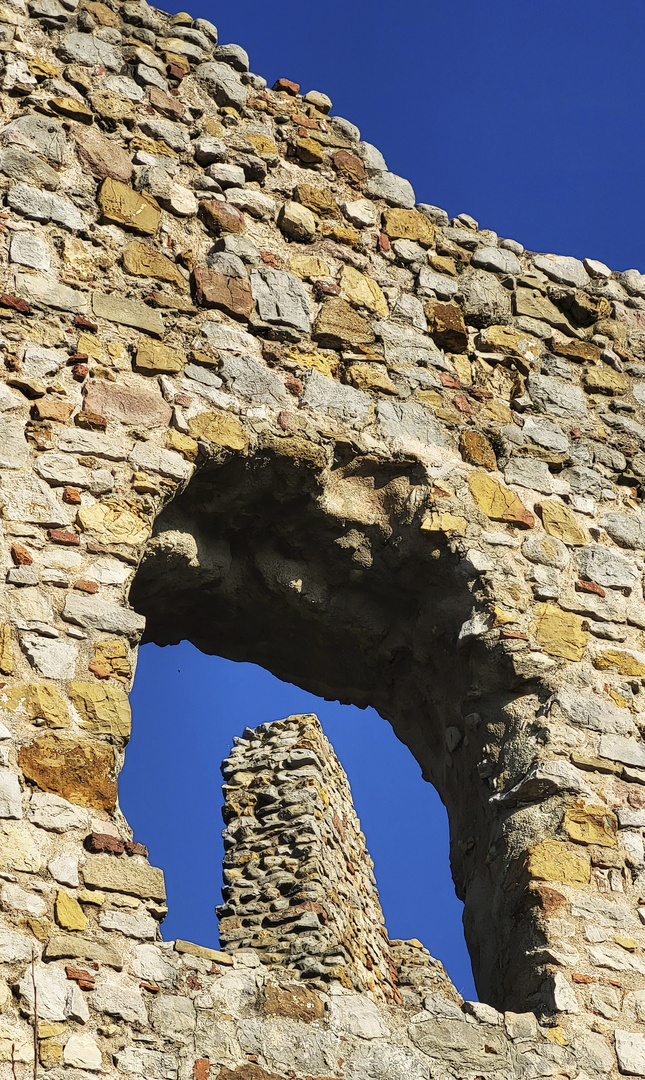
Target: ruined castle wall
(301, 419)
(299, 883)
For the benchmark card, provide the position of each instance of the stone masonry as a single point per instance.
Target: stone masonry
(254, 395)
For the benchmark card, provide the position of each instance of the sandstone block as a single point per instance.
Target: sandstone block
(559, 633)
(498, 502)
(113, 523)
(338, 325)
(408, 225)
(297, 222)
(562, 524)
(63, 946)
(144, 261)
(216, 290)
(591, 825)
(476, 449)
(77, 768)
(361, 291)
(293, 1002)
(18, 851)
(219, 217)
(129, 405)
(104, 710)
(69, 913)
(102, 156)
(552, 860)
(37, 701)
(123, 875)
(127, 313)
(446, 324)
(120, 205)
(218, 428)
(153, 358)
(626, 663)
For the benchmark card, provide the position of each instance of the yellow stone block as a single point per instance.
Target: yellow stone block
(444, 523)
(371, 377)
(591, 825)
(93, 346)
(408, 225)
(309, 267)
(498, 502)
(121, 205)
(511, 342)
(326, 365)
(155, 358)
(69, 913)
(50, 1053)
(502, 618)
(220, 429)
(103, 709)
(6, 651)
(360, 290)
(113, 523)
(560, 522)
(556, 1035)
(342, 234)
(559, 633)
(627, 943)
(190, 949)
(40, 701)
(624, 662)
(183, 444)
(551, 860)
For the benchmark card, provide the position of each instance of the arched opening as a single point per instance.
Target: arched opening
(186, 709)
(324, 577)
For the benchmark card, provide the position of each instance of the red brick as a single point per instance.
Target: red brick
(72, 496)
(85, 324)
(201, 1069)
(133, 847)
(590, 587)
(62, 536)
(348, 165)
(104, 842)
(82, 585)
(15, 302)
(287, 85)
(20, 555)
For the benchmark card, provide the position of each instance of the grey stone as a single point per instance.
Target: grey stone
(83, 1052)
(234, 55)
(556, 396)
(627, 751)
(13, 898)
(28, 499)
(354, 1014)
(123, 84)
(634, 282)
(124, 1001)
(546, 433)
(50, 10)
(55, 659)
(42, 291)
(630, 1052)
(95, 614)
(372, 159)
(182, 47)
(149, 963)
(496, 259)
(409, 424)
(174, 1016)
(22, 575)
(431, 284)
(598, 714)
(15, 947)
(117, 309)
(252, 201)
(230, 339)
(433, 213)
(169, 463)
(403, 345)
(395, 190)
(628, 530)
(202, 375)
(483, 298)
(605, 567)
(251, 379)
(174, 135)
(61, 945)
(59, 998)
(10, 795)
(209, 149)
(530, 473)
(137, 925)
(280, 298)
(408, 308)
(535, 310)
(78, 441)
(585, 481)
(545, 550)
(38, 135)
(13, 445)
(328, 396)
(91, 51)
(28, 168)
(149, 76)
(563, 269)
(223, 83)
(26, 249)
(64, 869)
(151, 1064)
(58, 469)
(206, 27)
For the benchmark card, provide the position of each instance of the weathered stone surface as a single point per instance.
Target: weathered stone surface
(144, 261)
(362, 291)
(552, 860)
(56, 814)
(43, 292)
(559, 633)
(83, 1052)
(69, 913)
(53, 659)
(120, 205)
(19, 164)
(75, 767)
(18, 851)
(338, 325)
(562, 524)
(498, 502)
(113, 523)
(62, 945)
(591, 825)
(125, 876)
(251, 379)
(58, 998)
(37, 134)
(127, 313)
(563, 269)
(327, 396)
(408, 225)
(556, 397)
(226, 292)
(220, 429)
(410, 425)
(91, 51)
(90, 612)
(104, 710)
(36, 701)
(103, 157)
(395, 190)
(156, 359)
(293, 1002)
(446, 324)
(139, 925)
(130, 405)
(280, 298)
(223, 83)
(606, 567)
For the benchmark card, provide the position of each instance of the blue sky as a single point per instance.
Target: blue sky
(529, 117)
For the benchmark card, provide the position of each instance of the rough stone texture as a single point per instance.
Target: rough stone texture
(411, 480)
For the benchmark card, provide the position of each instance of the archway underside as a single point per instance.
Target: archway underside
(257, 394)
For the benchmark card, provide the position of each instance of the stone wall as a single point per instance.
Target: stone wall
(254, 395)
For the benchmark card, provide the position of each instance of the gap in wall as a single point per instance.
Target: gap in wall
(186, 709)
